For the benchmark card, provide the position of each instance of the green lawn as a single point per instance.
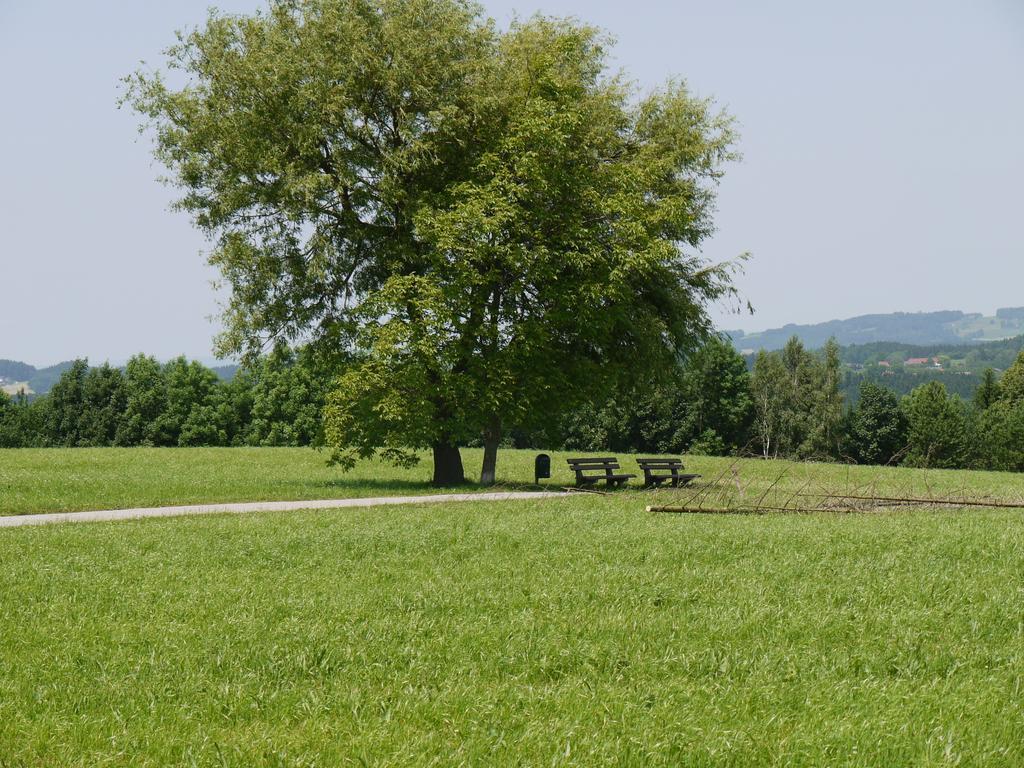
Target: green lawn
(74, 479)
(578, 631)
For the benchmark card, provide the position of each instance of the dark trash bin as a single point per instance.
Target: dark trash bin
(541, 467)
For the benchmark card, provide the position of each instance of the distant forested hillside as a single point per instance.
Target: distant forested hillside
(12, 370)
(975, 357)
(39, 380)
(916, 328)
(958, 366)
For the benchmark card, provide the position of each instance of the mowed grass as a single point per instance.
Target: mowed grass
(574, 631)
(579, 631)
(68, 480)
(76, 479)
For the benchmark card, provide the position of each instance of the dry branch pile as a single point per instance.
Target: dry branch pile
(727, 494)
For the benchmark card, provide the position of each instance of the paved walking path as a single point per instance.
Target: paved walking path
(14, 521)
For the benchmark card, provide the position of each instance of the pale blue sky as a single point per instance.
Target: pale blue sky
(883, 144)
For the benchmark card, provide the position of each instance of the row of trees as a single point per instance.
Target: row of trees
(790, 405)
(276, 401)
(799, 413)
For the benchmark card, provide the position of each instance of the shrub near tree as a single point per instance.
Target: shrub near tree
(491, 226)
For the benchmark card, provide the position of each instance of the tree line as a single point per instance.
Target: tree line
(275, 401)
(800, 413)
(788, 405)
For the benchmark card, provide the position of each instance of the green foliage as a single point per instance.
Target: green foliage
(704, 406)
(494, 228)
(715, 404)
(770, 389)
(1011, 385)
(190, 416)
(988, 392)
(824, 435)
(23, 422)
(709, 443)
(878, 426)
(937, 428)
(7, 417)
(145, 403)
(999, 437)
(287, 399)
(66, 406)
(104, 398)
(901, 381)
(180, 403)
(798, 406)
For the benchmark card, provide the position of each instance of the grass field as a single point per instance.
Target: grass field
(578, 631)
(75, 479)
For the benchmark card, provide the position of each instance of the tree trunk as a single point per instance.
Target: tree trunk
(492, 436)
(448, 465)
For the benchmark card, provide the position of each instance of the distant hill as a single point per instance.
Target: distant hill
(917, 328)
(226, 372)
(15, 375)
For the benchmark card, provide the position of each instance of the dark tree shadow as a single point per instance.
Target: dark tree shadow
(386, 487)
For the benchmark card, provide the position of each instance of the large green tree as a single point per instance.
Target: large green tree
(988, 391)
(145, 403)
(878, 427)
(103, 405)
(798, 405)
(716, 405)
(937, 434)
(287, 398)
(63, 416)
(493, 227)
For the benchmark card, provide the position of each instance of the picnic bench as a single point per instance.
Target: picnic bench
(606, 469)
(658, 471)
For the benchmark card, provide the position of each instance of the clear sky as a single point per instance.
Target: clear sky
(883, 146)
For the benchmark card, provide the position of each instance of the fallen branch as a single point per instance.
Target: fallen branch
(734, 510)
(922, 500)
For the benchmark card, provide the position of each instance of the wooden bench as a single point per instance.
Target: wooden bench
(657, 471)
(606, 467)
